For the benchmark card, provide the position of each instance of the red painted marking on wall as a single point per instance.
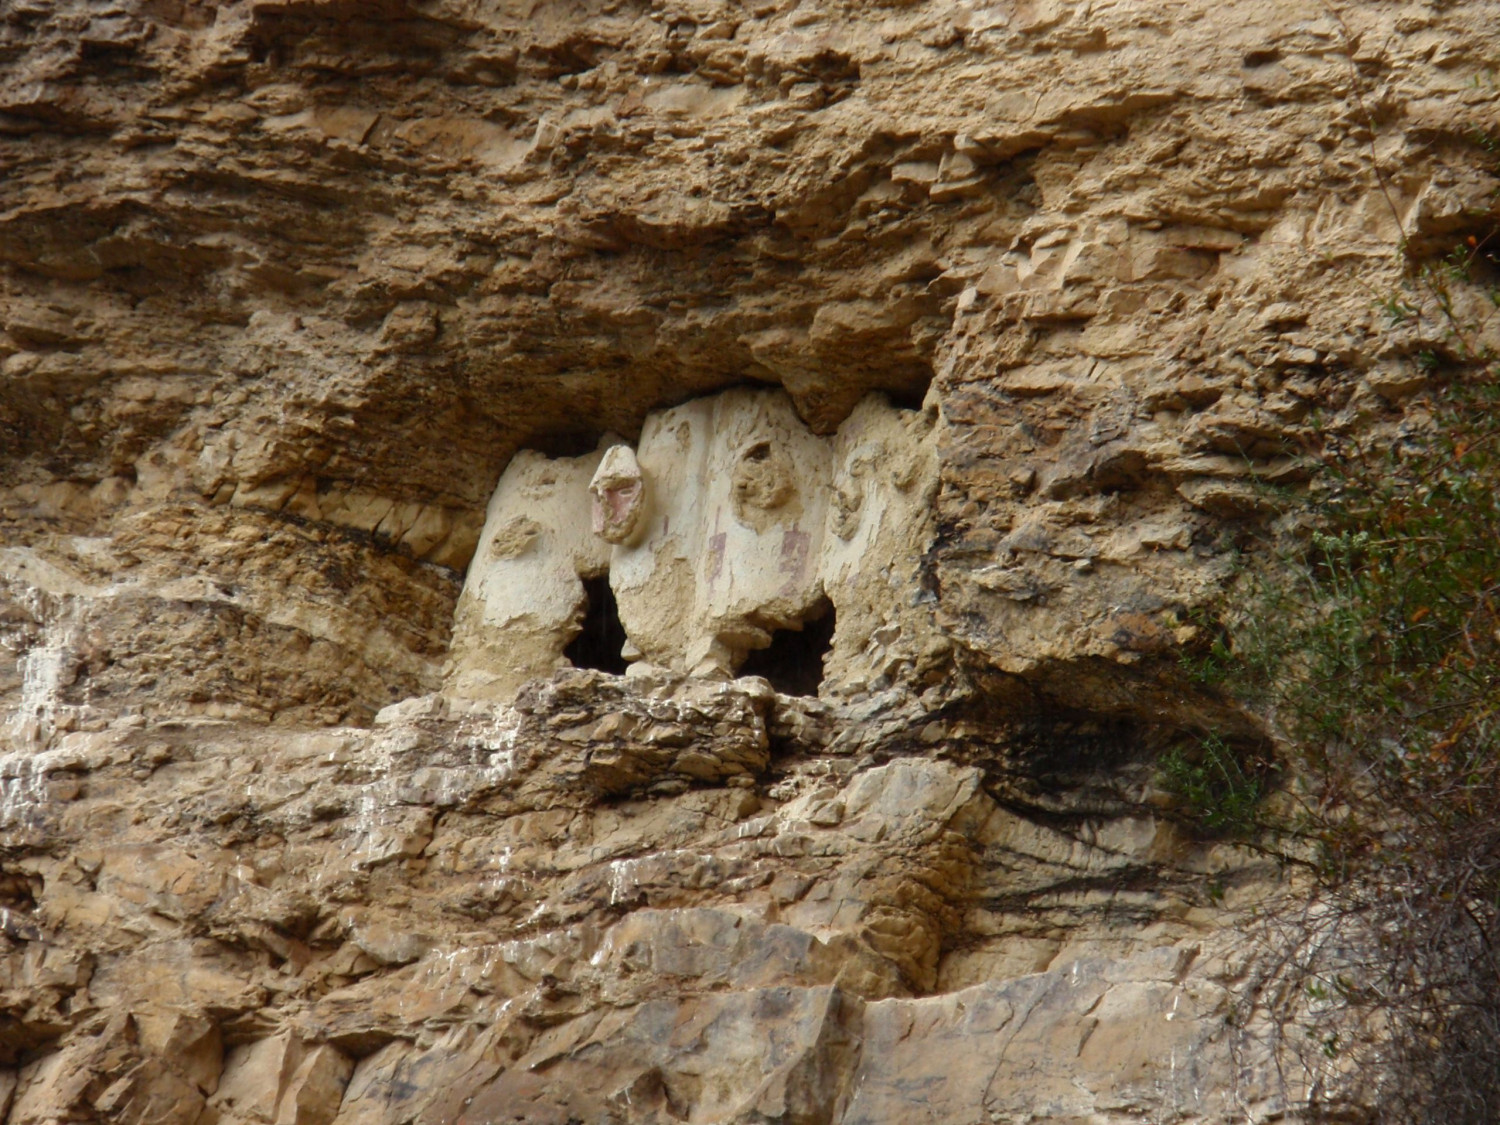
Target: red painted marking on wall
(716, 554)
(794, 549)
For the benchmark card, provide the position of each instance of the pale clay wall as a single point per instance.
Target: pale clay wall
(747, 520)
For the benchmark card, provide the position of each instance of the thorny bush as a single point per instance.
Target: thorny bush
(1373, 648)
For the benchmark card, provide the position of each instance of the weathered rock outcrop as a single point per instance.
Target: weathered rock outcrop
(604, 903)
(999, 325)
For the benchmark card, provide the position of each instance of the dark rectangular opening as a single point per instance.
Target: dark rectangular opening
(793, 661)
(602, 637)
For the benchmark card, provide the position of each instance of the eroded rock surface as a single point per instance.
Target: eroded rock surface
(1000, 325)
(603, 903)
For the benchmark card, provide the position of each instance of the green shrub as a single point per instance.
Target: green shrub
(1217, 787)
(1370, 642)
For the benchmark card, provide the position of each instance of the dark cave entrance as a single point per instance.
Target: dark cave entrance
(793, 661)
(599, 642)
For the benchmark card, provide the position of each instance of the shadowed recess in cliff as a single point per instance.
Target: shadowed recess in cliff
(601, 637)
(793, 662)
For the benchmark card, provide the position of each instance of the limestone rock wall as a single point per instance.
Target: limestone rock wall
(601, 904)
(294, 294)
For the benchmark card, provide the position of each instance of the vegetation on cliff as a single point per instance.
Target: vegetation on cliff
(1370, 643)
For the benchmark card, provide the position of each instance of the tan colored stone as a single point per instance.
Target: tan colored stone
(189, 1041)
(283, 1081)
(294, 296)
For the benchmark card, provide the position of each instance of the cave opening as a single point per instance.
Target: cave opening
(602, 637)
(793, 661)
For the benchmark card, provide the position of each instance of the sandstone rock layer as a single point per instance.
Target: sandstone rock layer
(288, 287)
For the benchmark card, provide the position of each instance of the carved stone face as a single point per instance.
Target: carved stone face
(619, 495)
(762, 482)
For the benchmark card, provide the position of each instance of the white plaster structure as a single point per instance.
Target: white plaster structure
(523, 599)
(729, 521)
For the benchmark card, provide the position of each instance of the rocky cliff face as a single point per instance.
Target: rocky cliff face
(1036, 299)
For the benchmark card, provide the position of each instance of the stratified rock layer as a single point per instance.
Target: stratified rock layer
(286, 284)
(602, 904)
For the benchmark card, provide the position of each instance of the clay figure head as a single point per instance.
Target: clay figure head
(763, 481)
(619, 495)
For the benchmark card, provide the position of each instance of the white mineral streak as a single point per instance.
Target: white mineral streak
(35, 717)
(23, 790)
